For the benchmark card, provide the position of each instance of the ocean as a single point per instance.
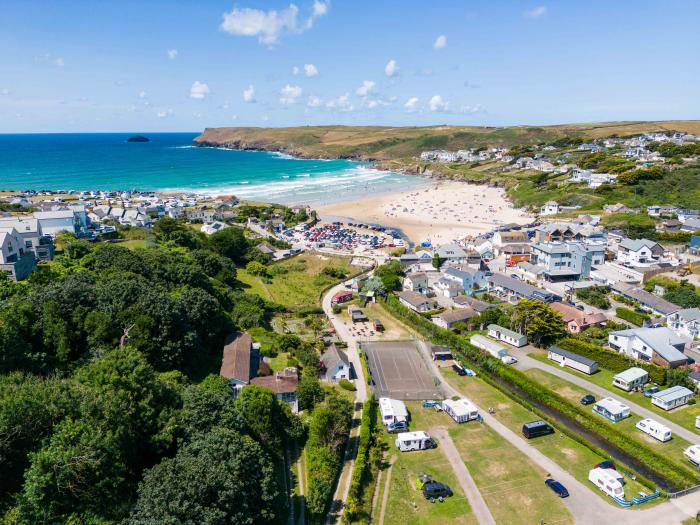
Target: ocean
(106, 161)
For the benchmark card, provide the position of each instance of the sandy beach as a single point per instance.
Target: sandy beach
(442, 212)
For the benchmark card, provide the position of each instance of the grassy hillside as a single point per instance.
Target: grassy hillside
(387, 143)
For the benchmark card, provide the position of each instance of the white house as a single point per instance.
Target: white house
(452, 253)
(639, 251)
(416, 282)
(16, 260)
(685, 323)
(335, 365)
(550, 208)
(213, 227)
(416, 302)
(660, 346)
(54, 222)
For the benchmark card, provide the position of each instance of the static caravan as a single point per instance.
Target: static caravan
(631, 379)
(673, 397)
(407, 441)
(494, 348)
(697, 421)
(461, 410)
(572, 360)
(693, 454)
(654, 429)
(392, 410)
(507, 336)
(612, 409)
(608, 481)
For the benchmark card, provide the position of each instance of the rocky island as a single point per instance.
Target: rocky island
(138, 138)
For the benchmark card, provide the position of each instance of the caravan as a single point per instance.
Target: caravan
(607, 480)
(693, 454)
(654, 429)
(461, 410)
(392, 411)
(420, 440)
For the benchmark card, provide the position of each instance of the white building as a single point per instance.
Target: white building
(461, 410)
(639, 251)
(631, 379)
(654, 429)
(392, 410)
(16, 260)
(673, 397)
(54, 222)
(656, 345)
(685, 323)
(213, 227)
(507, 336)
(550, 208)
(612, 409)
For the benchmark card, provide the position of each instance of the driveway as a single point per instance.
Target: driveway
(527, 362)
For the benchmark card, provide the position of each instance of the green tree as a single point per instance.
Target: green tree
(309, 392)
(231, 243)
(166, 226)
(256, 268)
(436, 261)
(538, 321)
(376, 285)
(221, 477)
(679, 377)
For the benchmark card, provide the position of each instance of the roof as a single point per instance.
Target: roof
(476, 304)
(392, 407)
(460, 407)
(57, 214)
(635, 245)
(478, 339)
(612, 405)
(656, 303)
(21, 224)
(661, 340)
(414, 298)
(410, 436)
(572, 356)
(235, 363)
(513, 236)
(631, 374)
(447, 251)
(590, 319)
(332, 357)
(515, 285)
(689, 314)
(454, 316)
(672, 394)
(568, 312)
(506, 331)
(280, 383)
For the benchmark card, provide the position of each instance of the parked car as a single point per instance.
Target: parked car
(606, 464)
(579, 307)
(509, 359)
(557, 488)
(651, 391)
(588, 399)
(434, 490)
(459, 369)
(396, 427)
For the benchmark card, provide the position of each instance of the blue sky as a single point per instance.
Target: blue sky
(72, 65)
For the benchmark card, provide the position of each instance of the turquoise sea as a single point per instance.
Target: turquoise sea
(106, 161)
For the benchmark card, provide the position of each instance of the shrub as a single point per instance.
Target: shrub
(633, 317)
(595, 296)
(347, 385)
(362, 474)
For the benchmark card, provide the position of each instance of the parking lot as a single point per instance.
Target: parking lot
(398, 371)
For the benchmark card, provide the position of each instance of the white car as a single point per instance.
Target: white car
(509, 359)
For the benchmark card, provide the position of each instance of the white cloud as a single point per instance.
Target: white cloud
(437, 104)
(342, 103)
(411, 104)
(295, 70)
(472, 110)
(4, 91)
(197, 114)
(164, 113)
(249, 94)
(310, 70)
(440, 42)
(172, 54)
(269, 26)
(366, 87)
(391, 68)
(142, 94)
(536, 12)
(58, 61)
(314, 102)
(290, 94)
(199, 90)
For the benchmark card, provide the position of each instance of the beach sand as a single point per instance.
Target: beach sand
(442, 212)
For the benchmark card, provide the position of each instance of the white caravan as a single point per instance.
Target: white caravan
(693, 454)
(461, 410)
(406, 441)
(654, 429)
(608, 481)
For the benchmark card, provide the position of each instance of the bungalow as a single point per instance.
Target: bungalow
(240, 361)
(655, 304)
(200, 215)
(636, 251)
(283, 385)
(416, 282)
(468, 301)
(660, 346)
(513, 290)
(449, 318)
(416, 301)
(572, 360)
(266, 248)
(685, 214)
(673, 397)
(335, 365)
(507, 336)
(576, 320)
(685, 323)
(691, 225)
(469, 280)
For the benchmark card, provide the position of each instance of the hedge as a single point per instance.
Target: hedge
(630, 315)
(492, 370)
(365, 368)
(362, 473)
(612, 360)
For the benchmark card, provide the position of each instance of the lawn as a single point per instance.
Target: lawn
(512, 486)
(300, 280)
(673, 449)
(571, 455)
(684, 416)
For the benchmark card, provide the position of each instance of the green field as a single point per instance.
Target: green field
(302, 283)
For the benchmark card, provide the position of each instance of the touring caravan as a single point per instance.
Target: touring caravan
(654, 429)
(461, 410)
(608, 481)
(693, 454)
(420, 440)
(392, 410)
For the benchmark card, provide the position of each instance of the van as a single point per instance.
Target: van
(535, 429)
(608, 481)
(654, 429)
(407, 441)
(378, 326)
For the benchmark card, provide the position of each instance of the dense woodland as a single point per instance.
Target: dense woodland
(111, 407)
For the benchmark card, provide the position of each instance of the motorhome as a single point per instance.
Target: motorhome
(654, 429)
(535, 429)
(607, 480)
(461, 410)
(392, 410)
(693, 454)
(419, 440)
